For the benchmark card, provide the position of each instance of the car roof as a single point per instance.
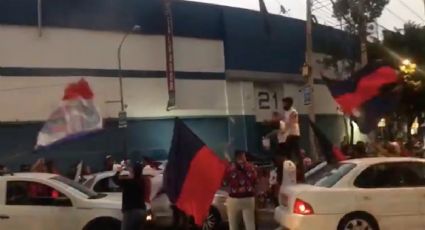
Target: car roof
(29, 175)
(377, 160)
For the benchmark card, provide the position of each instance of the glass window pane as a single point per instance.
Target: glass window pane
(36, 194)
(392, 175)
(330, 175)
(106, 185)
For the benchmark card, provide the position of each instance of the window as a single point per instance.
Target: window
(89, 183)
(329, 175)
(106, 185)
(78, 187)
(35, 194)
(392, 175)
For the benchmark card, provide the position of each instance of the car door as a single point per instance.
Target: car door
(389, 192)
(421, 170)
(36, 206)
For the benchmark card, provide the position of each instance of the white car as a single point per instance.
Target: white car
(39, 201)
(161, 206)
(369, 194)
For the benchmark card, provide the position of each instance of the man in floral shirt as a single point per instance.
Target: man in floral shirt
(241, 177)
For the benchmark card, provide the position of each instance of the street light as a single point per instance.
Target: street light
(122, 114)
(407, 67)
(382, 123)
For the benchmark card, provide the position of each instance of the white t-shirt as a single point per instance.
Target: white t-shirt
(282, 133)
(291, 122)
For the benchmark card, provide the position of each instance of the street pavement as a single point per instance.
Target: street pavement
(265, 221)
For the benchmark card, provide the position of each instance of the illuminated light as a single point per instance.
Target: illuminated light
(382, 123)
(415, 127)
(407, 67)
(405, 62)
(55, 194)
(302, 208)
(149, 217)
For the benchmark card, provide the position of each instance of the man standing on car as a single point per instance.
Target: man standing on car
(241, 177)
(292, 130)
(135, 191)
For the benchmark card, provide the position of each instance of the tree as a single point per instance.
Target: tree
(408, 43)
(357, 14)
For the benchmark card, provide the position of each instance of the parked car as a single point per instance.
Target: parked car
(370, 193)
(40, 201)
(160, 206)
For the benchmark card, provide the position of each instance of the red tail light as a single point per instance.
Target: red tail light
(302, 208)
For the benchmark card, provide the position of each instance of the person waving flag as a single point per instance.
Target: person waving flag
(193, 173)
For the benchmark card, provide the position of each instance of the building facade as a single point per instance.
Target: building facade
(232, 73)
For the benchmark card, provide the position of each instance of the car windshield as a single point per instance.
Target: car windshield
(80, 188)
(329, 175)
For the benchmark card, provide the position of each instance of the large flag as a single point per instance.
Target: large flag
(193, 174)
(331, 152)
(76, 115)
(368, 95)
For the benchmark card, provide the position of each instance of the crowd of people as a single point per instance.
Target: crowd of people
(246, 183)
(383, 148)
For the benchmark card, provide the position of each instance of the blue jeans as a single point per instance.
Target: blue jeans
(133, 219)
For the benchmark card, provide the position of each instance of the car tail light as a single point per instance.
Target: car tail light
(283, 200)
(303, 208)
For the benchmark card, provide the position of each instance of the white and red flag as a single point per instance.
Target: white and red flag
(76, 115)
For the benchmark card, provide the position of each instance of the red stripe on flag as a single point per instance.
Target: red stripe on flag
(338, 154)
(367, 88)
(81, 89)
(203, 179)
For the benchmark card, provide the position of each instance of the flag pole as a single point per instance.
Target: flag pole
(310, 77)
(39, 18)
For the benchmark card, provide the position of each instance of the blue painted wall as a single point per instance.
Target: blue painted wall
(145, 137)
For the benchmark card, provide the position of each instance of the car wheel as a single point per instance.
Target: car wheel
(213, 220)
(104, 223)
(358, 221)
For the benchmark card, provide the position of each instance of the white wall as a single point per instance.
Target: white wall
(76, 48)
(34, 98)
(240, 97)
(324, 103)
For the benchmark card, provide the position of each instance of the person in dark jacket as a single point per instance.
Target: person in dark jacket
(135, 190)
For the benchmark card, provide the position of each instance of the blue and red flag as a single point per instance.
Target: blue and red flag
(368, 95)
(194, 173)
(331, 152)
(76, 115)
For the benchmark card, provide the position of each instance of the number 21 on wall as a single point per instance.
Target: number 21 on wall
(264, 100)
